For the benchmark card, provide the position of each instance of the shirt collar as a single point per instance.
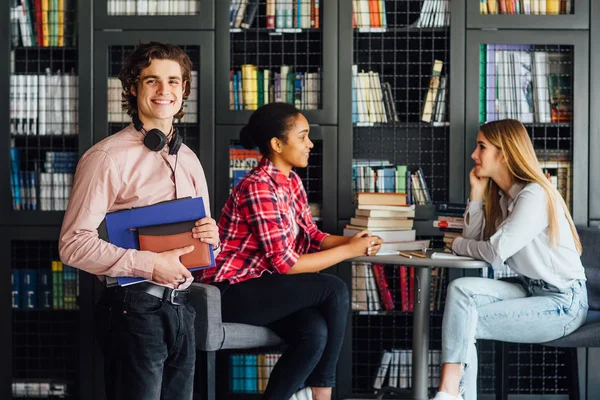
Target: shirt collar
(273, 171)
(514, 190)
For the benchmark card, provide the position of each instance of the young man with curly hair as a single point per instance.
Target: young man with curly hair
(146, 330)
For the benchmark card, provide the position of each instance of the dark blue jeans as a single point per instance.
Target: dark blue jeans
(148, 345)
(308, 311)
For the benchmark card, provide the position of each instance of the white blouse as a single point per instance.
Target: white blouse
(521, 241)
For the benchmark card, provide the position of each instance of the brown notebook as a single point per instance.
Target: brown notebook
(159, 238)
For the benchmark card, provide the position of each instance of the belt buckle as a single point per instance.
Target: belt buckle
(173, 295)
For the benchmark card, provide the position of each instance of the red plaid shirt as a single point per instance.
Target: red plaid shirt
(257, 233)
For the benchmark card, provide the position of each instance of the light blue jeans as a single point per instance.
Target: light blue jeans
(530, 311)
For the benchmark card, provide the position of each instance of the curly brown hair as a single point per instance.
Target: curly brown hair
(140, 59)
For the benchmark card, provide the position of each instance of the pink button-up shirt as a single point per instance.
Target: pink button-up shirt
(119, 173)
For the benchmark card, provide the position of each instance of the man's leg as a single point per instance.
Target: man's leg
(178, 375)
(136, 350)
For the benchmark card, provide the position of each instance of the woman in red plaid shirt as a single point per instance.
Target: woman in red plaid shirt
(271, 250)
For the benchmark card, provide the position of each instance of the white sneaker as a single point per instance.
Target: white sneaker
(446, 396)
(302, 394)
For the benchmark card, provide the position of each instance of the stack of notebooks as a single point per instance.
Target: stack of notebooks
(388, 216)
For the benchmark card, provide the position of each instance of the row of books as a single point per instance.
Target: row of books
(54, 288)
(526, 7)
(241, 161)
(250, 88)
(39, 388)
(280, 14)
(43, 23)
(380, 176)
(395, 369)
(372, 99)
(54, 185)
(249, 373)
(44, 104)
(369, 14)
(434, 108)
(434, 14)
(525, 84)
(116, 114)
(152, 7)
(376, 287)
(558, 173)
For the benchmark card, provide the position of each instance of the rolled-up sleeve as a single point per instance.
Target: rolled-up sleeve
(525, 222)
(95, 187)
(316, 236)
(259, 204)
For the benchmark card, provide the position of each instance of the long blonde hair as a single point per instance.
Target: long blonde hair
(511, 138)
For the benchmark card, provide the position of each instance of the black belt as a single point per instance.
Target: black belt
(173, 296)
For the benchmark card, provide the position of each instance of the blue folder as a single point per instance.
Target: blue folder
(119, 227)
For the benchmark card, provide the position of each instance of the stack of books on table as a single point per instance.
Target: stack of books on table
(450, 220)
(388, 216)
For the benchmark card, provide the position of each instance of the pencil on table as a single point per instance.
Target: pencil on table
(418, 255)
(405, 255)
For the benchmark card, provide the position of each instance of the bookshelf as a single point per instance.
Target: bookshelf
(50, 343)
(578, 18)
(42, 67)
(444, 150)
(46, 112)
(308, 56)
(400, 50)
(571, 136)
(154, 14)
(306, 45)
(560, 140)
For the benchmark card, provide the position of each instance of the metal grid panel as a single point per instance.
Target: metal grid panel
(534, 85)
(531, 83)
(44, 104)
(391, 125)
(118, 119)
(486, 373)
(286, 47)
(383, 330)
(153, 7)
(532, 369)
(45, 341)
(402, 55)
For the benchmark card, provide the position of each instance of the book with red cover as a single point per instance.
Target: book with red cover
(159, 238)
(384, 291)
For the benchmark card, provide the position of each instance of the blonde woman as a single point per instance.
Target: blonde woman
(514, 216)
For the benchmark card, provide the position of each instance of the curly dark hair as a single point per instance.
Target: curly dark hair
(140, 59)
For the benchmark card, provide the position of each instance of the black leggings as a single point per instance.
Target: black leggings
(308, 311)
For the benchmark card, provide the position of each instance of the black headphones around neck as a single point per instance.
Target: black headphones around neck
(156, 140)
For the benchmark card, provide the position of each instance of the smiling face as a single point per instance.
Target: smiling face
(295, 151)
(159, 93)
(488, 158)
